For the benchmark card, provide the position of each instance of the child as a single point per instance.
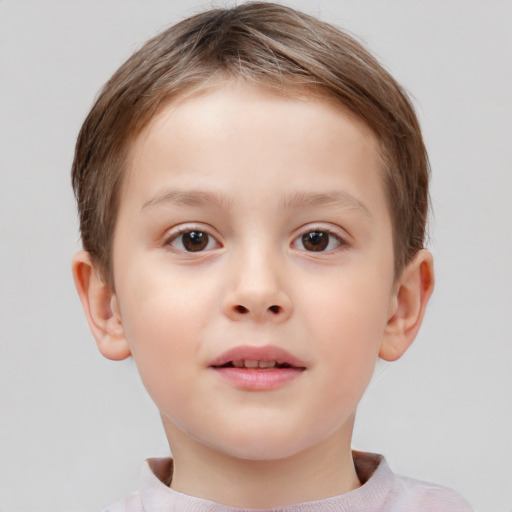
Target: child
(253, 192)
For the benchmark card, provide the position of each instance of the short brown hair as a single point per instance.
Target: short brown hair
(265, 44)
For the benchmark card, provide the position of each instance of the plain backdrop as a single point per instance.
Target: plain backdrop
(75, 428)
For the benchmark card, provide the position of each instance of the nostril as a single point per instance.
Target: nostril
(241, 309)
(275, 309)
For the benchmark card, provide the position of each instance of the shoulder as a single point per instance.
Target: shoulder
(425, 496)
(132, 503)
(154, 492)
(386, 491)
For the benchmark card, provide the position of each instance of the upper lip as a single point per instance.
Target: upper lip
(251, 353)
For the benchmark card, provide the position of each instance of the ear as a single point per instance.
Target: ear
(101, 308)
(412, 293)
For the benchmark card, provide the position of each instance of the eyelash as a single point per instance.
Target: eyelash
(203, 240)
(331, 235)
(188, 231)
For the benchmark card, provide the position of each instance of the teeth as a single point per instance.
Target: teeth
(250, 363)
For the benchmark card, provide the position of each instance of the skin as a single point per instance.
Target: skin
(254, 172)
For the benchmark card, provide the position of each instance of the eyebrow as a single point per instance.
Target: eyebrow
(189, 198)
(316, 199)
(296, 200)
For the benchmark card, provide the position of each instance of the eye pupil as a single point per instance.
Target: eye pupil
(194, 241)
(315, 240)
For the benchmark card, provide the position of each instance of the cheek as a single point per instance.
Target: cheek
(349, 327)
(348, 310)
(161, 303)
(165, 319)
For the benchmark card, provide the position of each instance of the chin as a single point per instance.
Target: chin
(261, 452)
(265, 446)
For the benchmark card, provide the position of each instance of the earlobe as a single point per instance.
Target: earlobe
(101, 308)
(407, 307)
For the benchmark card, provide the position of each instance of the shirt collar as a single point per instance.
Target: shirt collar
(372, 470)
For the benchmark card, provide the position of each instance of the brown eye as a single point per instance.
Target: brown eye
(194, 241)
(318, 240)
(315, 241)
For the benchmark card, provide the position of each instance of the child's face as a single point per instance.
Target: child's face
(250, 221)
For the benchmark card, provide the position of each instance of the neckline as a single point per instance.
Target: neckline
(372, 469)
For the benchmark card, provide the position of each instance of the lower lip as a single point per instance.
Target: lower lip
(259, 380)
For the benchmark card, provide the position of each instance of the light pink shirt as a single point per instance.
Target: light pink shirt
(382, 491)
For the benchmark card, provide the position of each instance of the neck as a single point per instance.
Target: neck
(321, 471)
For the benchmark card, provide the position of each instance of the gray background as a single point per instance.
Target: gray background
(74, 427)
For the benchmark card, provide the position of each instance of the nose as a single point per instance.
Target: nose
(257, 293)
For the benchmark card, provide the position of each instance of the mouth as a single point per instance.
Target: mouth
(255, 364)
(258, 368)
(250, 357)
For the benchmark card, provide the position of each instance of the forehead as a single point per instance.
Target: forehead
(233, 94)
(254, 129)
